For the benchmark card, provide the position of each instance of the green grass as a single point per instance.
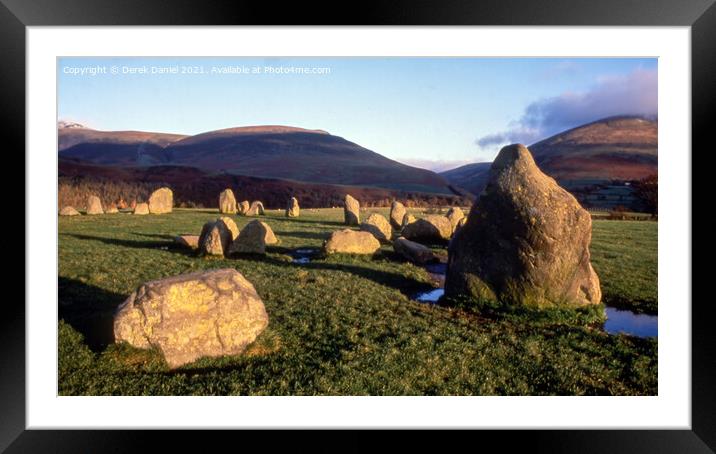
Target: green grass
(345, 325)
(624, 255)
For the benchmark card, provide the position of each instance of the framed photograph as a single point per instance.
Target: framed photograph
(424, 216)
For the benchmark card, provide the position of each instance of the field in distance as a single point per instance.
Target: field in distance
(346, 325)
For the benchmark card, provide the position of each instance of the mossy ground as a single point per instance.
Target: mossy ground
(346, 325)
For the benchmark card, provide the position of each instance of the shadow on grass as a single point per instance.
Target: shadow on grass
(89, 310)
(304, 235)
(155, 235)
(168, 243)
(404, 284)
(317, 222)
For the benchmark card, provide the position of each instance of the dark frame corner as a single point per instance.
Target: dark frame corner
(700, 15)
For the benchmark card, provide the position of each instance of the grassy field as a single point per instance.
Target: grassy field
(346, 325)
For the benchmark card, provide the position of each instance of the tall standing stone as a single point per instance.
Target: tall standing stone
(351, 211)
(292, 209)
(227, 202)
(94, 205)
(526, 241)
(186, 317)
(161, 201)
(243, 207)
(397, 213)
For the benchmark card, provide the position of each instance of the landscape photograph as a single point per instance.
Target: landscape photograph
(357, 226)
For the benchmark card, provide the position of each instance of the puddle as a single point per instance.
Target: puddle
(303, 256)
(618, 321)
(431, 296)
(627, 322)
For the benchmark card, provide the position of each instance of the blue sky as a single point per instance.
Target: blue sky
(431, 112)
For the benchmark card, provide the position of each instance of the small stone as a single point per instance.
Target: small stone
(69, 211)
(141, 208)
(349, 241)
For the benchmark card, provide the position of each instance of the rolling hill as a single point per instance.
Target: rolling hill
(616, 148)
(117, 148)
(277, 152)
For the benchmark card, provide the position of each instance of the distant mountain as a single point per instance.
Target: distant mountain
(123, 148)
(616, 148)
(63, 124)
(472, 177)
(279, 152)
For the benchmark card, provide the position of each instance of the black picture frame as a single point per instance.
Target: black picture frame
(700, 15)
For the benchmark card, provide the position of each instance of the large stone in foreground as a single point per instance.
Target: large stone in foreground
(187, 317)
(94, 205)
(349, 241)
(526, 240)
(397, 214)
(256, 209)
(432, 228)
(227, 202)
(292, 208)
(415, 252)
(253, 239)
(161, 201)
(69, 211)
(351, 211)
(377, 225)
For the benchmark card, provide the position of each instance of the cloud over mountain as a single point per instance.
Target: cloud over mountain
(631, 94)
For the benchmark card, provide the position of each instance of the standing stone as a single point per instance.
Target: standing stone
(122, 204)
(349, 241)
(69, 211)
(253, 239)
(351, 211)
(112, 208)
(408, 219)
(454, 215)
(243, 207)
(526, 241)
(256, 209)
(432, 228)
(397, 213)
(227, 202)
(378, 226)
(230, 225)
(217, 235)
(292, 209)
(94, 205)
(141, 208)
(186, 317)
(133, 205)
(161, 201)
(415, 252)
